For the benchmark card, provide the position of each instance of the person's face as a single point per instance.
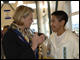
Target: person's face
(55, 24)
(28, 20)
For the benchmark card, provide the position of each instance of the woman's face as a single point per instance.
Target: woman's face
(28, 21)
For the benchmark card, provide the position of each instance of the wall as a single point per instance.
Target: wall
(52, 6)
(61, 5)
(14, 5)
(3, 20)
(67, 8)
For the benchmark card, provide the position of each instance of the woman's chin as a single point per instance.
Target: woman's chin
(28, 27)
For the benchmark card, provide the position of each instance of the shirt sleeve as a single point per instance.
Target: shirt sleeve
(76, 49)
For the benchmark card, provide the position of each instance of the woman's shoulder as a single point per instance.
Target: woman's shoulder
(9, 35)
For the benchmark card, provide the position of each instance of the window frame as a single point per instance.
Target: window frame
(72, 14)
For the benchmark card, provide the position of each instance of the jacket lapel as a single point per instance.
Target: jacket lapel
(19, 35)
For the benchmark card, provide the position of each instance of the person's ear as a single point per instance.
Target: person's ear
(62, 22)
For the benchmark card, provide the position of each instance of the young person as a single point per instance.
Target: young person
(62, 43)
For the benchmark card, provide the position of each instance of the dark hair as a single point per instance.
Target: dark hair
(61, 15)
(6, 26)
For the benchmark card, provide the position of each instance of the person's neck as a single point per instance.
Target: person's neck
(61, 31)
(21, 27)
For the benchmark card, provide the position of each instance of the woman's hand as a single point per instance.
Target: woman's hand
(75, 33)
(41, 39)
(35, 41)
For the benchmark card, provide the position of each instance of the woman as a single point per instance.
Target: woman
(17, 42)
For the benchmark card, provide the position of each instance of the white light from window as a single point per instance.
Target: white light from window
(35, 27)
(11, 1)
(34, 21)
(75, 23)
(74, 6)
(41, 6)
(1, 2)
(2, 28)
(20, 2)
(32, 6)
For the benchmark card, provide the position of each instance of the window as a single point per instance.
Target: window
(9, 2)
(34, 26)
(29, 5)
(74, 6)
(21, 4)
(75, 16)
(1, 2)
(32, 6)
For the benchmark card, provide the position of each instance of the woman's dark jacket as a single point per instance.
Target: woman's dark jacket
(15, 48)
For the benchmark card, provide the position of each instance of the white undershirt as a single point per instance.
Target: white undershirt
(58, 39)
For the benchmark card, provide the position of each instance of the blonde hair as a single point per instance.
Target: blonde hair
(21, 11)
